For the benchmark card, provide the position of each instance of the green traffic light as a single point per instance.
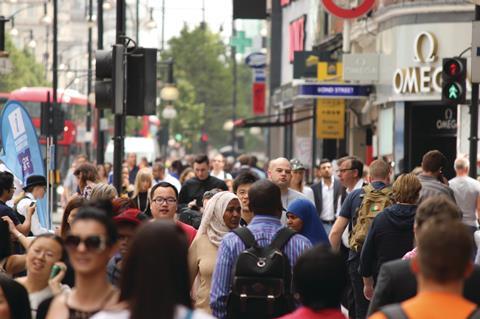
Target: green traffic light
(453, 92)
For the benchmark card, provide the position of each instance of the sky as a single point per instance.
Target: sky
(218, 14)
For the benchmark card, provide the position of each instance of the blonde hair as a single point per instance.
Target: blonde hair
(406, 189)
(103, 191)
(143, 175)
(379, 169)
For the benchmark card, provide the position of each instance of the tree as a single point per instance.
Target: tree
(25, 70)
(203, 66)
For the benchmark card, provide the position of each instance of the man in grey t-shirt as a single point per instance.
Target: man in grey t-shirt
(467, 193)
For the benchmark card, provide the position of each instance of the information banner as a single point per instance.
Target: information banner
(330, 119)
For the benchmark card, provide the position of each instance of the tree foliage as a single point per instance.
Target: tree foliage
(25, 70)
(203, 71)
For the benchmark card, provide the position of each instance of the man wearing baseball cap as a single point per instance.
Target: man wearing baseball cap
(127, 223)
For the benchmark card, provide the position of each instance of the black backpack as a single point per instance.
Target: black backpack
(261, 286)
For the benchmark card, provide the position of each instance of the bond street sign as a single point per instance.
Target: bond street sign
(332, 91)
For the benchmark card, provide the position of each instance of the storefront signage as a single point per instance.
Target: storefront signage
(420, 79)
(330, 119)
(333, 91)
(448, 122)
(296, 33)
(351, 13)
(362, 67)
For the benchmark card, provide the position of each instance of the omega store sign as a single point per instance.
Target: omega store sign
(413, 71)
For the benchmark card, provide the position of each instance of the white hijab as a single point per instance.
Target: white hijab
(212, 223)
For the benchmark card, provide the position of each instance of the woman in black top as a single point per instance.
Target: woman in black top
(143, 182)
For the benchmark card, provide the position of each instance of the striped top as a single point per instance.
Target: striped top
(432, 187)
(264, 229)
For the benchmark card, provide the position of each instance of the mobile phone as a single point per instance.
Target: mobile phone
(55, 270)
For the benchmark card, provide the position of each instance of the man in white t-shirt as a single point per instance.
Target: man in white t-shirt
(218, 163)
(161, 175)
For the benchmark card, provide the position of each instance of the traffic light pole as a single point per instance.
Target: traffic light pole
(119, 118)
(99, 131)
(474, 118)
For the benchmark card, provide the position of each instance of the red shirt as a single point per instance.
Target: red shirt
(307, 313)
(189, 231)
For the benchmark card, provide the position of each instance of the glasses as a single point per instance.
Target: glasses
(161, 200)
(92, 243)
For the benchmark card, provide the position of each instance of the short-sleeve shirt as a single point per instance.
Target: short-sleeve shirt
(7, 211)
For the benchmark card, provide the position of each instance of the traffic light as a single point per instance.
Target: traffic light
(454, 75)
(109, 82)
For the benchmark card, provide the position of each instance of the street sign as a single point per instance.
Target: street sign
(361, 67)
(325, 90)
(352, 13)
(258, 75)
(240, 42)
(6, 66)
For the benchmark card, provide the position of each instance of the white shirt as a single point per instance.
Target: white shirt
(22, 207)
(466, 191)
(327, 213)
(287, 198)
(221, 175)
(308, 192)
(180, 313)
(170, 179)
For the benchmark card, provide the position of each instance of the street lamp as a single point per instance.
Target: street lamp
(151, 24)
(169, 112)
(46, 19)
(13, 30)
(32, 43)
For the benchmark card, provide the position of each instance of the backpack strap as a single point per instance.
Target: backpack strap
(475, 314)
(394, 311)
(281, 238)
(246, 236)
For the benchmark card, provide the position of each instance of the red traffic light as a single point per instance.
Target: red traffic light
(452, 67)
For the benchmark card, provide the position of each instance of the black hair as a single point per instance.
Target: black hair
(265, 198)
(323, 161)
(6, 182)
(169, 264)
(163, 184)
(5, 241)
(202, 158)
(92, 213)
(17, 298)
(209, 194)
(319, 277)
(243, 178)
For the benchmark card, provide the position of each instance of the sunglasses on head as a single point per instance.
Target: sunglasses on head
(92, 243)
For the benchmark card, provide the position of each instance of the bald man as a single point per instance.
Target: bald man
(280, 173)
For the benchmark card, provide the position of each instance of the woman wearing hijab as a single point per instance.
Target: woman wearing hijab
(221, 215)
(303, 218)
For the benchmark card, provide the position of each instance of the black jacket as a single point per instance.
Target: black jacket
(338, 189)
(390, 237)
(195, 188)
(396, 283)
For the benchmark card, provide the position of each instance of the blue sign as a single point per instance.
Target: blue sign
(256, 60)
(334, 91)
(22, 151)
(258, 75)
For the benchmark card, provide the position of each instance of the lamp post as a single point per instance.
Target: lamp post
(89, 78)
(168, 94)
(100, 134)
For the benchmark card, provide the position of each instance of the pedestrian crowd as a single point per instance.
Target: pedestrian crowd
(209, 237)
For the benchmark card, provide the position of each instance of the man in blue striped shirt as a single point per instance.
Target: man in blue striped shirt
(266, 205)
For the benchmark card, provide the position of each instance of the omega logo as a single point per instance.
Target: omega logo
(423, 79)
(448, 123)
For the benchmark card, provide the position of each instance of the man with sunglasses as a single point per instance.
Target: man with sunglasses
(164, 205)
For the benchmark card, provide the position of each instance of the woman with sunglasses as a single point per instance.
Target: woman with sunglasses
(14, 303)
(90, 244)
(222, 214)
(164, 295)
(303, 218)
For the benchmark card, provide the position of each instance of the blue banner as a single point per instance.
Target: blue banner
(23, 155)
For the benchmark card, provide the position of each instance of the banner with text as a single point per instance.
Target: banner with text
(22, 154)
(330, 119)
